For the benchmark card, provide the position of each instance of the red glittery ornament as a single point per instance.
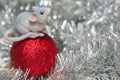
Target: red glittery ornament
(37, 54)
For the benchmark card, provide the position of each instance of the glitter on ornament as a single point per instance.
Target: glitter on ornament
(37, 54)
(90, 50)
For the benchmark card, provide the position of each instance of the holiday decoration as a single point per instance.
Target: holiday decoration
(36, 54)
(32, 51)
(28, 24)
(87, 33)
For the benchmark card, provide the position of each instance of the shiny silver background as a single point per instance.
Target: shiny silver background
(87, 33)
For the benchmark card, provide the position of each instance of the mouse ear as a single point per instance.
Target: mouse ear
(34, 8)
(32, 17)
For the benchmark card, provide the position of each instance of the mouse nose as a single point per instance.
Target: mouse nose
(48, 10)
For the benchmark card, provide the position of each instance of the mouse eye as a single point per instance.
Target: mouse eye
(41, 12)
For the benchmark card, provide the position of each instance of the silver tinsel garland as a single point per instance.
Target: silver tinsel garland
(87, 33)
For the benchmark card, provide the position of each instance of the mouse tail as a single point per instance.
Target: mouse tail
(7, 36)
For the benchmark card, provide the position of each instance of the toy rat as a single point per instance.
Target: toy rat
(36, 54)
(28, 24)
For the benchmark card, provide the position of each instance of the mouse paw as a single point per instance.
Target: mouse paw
(33, 35)
(41, 34)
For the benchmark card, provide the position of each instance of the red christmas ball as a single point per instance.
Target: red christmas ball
(37, 54)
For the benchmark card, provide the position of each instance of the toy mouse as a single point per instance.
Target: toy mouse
(28, 24)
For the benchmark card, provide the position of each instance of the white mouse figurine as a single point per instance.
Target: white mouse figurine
(28, 24)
